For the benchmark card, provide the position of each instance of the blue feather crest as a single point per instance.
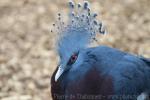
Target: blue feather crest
(79, 31)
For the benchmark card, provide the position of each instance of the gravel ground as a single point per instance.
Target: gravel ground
(27, 54)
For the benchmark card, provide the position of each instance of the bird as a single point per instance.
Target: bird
(94, 73)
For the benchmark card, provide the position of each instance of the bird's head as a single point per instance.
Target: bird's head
(75, 35)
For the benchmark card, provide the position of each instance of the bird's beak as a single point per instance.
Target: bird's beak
(58, 73)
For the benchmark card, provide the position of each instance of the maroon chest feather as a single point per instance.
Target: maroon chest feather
(56, 89)
(92, 86)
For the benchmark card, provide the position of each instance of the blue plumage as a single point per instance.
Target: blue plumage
(97, 73)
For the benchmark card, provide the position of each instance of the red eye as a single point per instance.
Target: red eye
(73, 58)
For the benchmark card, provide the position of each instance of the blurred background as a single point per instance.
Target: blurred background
(27, 49)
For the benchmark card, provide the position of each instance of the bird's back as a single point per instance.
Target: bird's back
(130, 74)
(125, 69)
